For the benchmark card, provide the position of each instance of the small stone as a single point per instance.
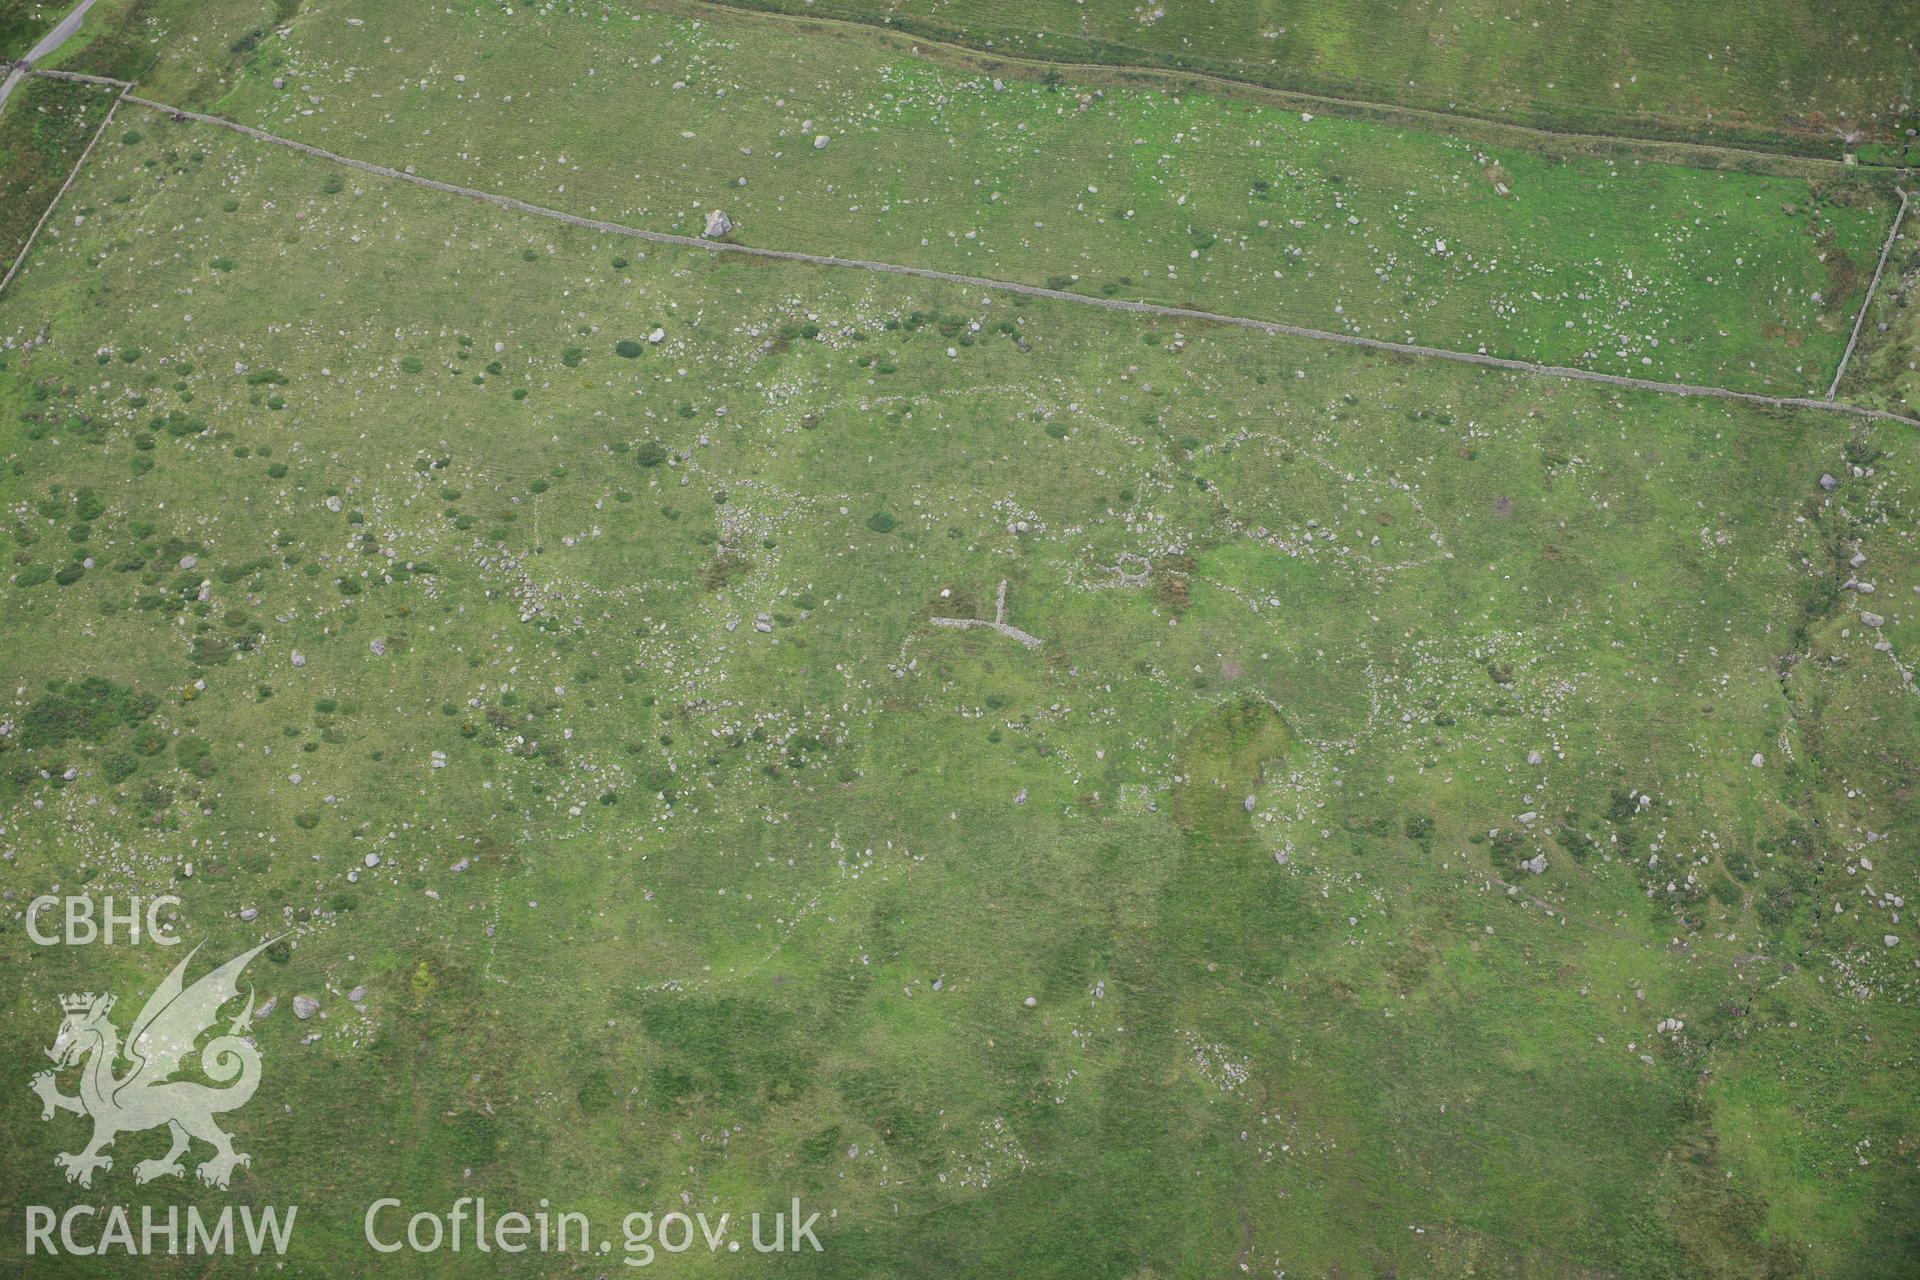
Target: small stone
(1031, 1002)
(1759, 761)
(187, 562)
(1872, 619)
(820, 142)
(356, 995)
(373, 860)
(379, 648)
(1891, 939)
(1537, 864)
(1021, 798)
(299, 658)
(1828, 483)
(1251, 802)
(1534, 757)
(305, 1007)
(719, 225)
(249, 913)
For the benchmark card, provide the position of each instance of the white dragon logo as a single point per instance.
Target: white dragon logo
(173, 1019)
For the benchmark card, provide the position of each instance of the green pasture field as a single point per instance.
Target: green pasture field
(1882, 372)
(43, 132)
(1806, 76)
(1614, 263)
(678, 858)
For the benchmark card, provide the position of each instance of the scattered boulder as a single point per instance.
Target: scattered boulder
(1537, 864)
(719, 225)
(305, 1007)
(1828, 483)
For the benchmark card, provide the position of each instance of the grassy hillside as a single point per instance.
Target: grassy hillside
(1801, 76)
(43, 131)
(820, 143)
(674, 849)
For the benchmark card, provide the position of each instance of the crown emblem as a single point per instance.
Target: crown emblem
(81, 1002)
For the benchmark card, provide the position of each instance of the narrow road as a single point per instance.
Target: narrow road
(1270, 327)
(61, 33)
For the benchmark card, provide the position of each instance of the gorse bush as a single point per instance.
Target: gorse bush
(87, 709)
